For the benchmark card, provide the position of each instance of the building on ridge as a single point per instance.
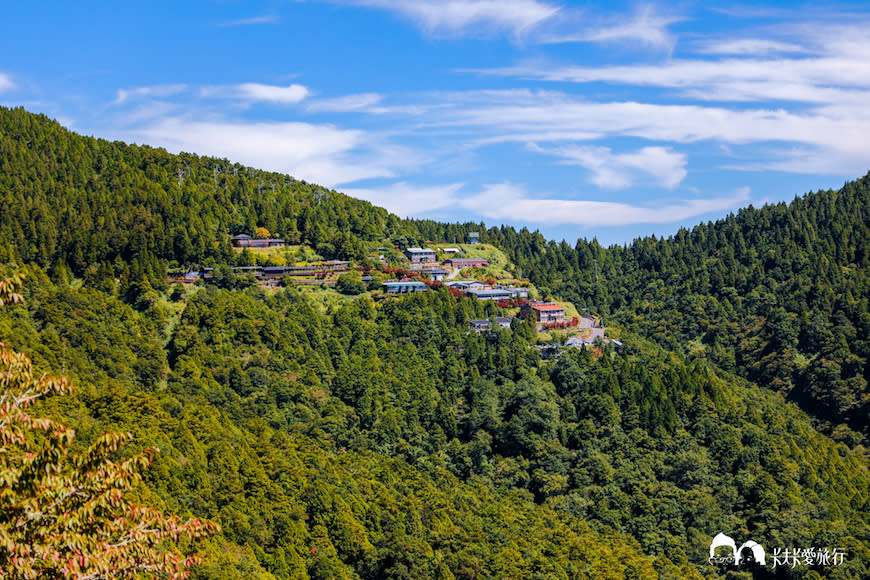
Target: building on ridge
(543, 311)
(418, 255)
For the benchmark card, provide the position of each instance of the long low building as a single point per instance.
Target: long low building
(486, 324)
(404, 286)
(280, 271)
(466, 263)
(465, 284)
(246, 241)
(489, 293)
(497, 293)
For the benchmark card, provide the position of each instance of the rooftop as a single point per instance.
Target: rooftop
(498, 320)
(403, 283)
(547, 307)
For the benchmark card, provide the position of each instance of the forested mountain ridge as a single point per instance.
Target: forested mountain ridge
(381, 439)
(89, 203)
(778, 294)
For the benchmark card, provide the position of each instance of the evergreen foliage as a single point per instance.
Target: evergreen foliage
(778, 295)
(383, 439)
(66, 513)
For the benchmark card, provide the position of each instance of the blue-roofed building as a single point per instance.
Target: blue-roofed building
(404, 286)
(489, 293)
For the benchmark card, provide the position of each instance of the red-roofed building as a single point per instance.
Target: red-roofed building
(543, 311)
(466, 263)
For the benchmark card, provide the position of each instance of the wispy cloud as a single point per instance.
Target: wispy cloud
(409, 200)
(254, 20)
(820, 67)
(533, 21)
(646, 27)
(320, 153)
(462, 17)
(759, 78)
(568, 116)
(156, 91)
(754, 47)
(5, 82)
(611, 170)
(345, 104)
(512, 203)
(288, 95)
(832, 131)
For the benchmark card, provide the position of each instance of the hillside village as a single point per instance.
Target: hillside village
(336, 429)
(465, 270)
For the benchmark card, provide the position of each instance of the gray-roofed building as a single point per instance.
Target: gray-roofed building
(486, 324)
(467, 263)
(404, 286)
(246, 241)
(518, 292)
(489, 293)
(417, 255)
(436, 274)
(465, 284)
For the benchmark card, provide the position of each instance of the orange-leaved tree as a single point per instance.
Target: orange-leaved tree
(67, 513)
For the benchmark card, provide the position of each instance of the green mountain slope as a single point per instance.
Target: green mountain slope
(381, 439)
(778, 295)
(86, 203)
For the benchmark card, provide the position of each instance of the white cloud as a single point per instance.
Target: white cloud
(288, 95)
(749, 47)
(512, 203)
(611, 170)
(345, 104)
(544, 118)
(5, 82)
(156, 91)
(320, 153)
(647, 27)
(450, 17)
(697, 75)
(818, 67)
(407, 200)
(266, 19)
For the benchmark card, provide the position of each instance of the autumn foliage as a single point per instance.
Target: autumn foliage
(66, 513)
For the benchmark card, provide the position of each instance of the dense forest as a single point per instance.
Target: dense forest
(777, 295)
(380, 439)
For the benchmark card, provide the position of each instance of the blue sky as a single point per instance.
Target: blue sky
(581, 119)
